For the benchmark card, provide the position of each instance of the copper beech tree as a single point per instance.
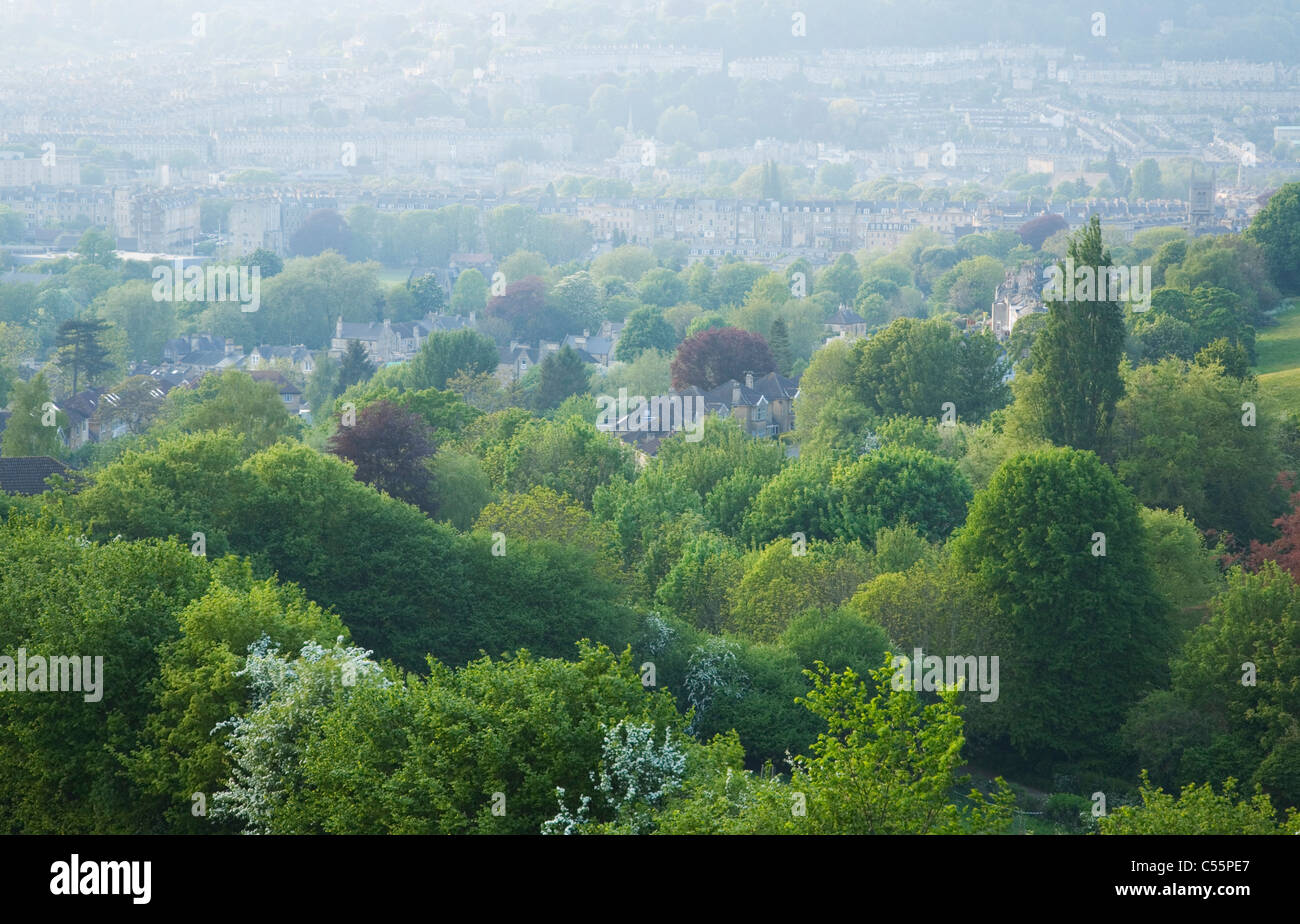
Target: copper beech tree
(713, 356)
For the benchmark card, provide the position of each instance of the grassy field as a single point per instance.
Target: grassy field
(389, 275)
(1277, 350)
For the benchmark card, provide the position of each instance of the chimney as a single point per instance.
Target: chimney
(749, 380)
(230, 347)
(473, 318)
(735, 395)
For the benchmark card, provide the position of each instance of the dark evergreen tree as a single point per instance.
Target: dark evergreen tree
(355, 366)
(562, 374)
(779, 342)
(79, 349)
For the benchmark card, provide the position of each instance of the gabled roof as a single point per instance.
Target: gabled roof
(355, 330)
(774, 385)
(444, 322)
(846, 316)
(296, 353)
(82, 404)
(282, 385)
(597, 346)
(204, 358)
(725, 395)
(26, 474)
(511, 354)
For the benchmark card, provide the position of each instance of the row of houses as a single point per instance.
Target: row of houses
(763, 406)
(596, 350)
(389, 342)
(97, 415)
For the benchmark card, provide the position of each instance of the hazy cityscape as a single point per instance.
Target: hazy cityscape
(650, 418)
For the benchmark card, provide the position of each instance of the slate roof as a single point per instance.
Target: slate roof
(26, 474)
(356, 330)
(81, 405)
(774, 385)
(282, 385)
(725, 395)
(296, 353)
(596, 346)
(444, 322)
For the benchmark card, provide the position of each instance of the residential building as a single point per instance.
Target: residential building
(289, 393)
(262, 357)
(1018, 295)
(847, 323)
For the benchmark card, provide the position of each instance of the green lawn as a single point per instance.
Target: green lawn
(1277, 350)
(1282, 387)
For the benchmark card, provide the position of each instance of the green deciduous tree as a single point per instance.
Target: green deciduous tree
(899, 483)
(26, 433)
(1276, 228)
(429, 296)
(662, 288)
(778, 584)
(1180, 440)
(842, 278)
(1195, 810)
(1232, 710)
(915, 367)
(646, 329)
(888, 762)
(696, 587)
(61, 769)
(1186, 572)
(231, 400)
(148, 323)
(1081, 634)
(469, 293)
(445, 354)
(798, 499)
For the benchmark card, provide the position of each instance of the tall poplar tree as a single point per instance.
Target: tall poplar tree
(1070, 398)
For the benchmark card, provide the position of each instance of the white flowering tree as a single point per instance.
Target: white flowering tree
(288, 698)
(712, 671)
(635, 775)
